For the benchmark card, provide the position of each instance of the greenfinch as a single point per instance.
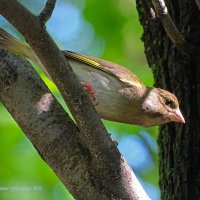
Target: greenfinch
(116, 92)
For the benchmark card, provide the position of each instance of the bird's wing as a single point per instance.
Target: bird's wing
(118, 71)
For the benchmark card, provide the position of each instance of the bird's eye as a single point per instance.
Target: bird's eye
(169, 102)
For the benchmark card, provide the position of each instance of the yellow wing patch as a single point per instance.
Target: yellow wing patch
(82, 58)
(118, 71)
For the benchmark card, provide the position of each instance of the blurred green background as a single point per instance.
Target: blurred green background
(106, 29)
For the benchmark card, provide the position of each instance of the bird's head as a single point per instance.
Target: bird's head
(161, 107)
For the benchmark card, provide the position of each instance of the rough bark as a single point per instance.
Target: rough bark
(179, 145)
(92, 131)
(56, 136)
(106, 165)
(44, 121)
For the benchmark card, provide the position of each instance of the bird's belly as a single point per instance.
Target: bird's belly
(106, 86)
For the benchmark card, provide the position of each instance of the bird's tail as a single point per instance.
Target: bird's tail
(10, 43)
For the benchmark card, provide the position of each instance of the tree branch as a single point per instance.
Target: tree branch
(55, 135)
(92, 131)
(47, 11)
(169, 26)
(108, 170)
(44, 121)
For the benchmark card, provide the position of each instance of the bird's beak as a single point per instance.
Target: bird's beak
(177, 116)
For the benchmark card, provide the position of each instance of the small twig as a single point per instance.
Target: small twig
(149, 11)
(169, 26)
(198, 3)
(47, 11)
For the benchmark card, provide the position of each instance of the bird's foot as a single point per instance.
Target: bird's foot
(91, 92)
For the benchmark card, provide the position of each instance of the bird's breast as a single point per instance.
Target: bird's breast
(112, 103)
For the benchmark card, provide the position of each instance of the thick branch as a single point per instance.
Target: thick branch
(169, 26)
(47, 11)
(109, 172)
(93, 133)
(45, 122)
(56, 137)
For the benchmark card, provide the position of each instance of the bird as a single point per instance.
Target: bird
(116, 92)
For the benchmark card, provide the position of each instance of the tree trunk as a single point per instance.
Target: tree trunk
(179, 145)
